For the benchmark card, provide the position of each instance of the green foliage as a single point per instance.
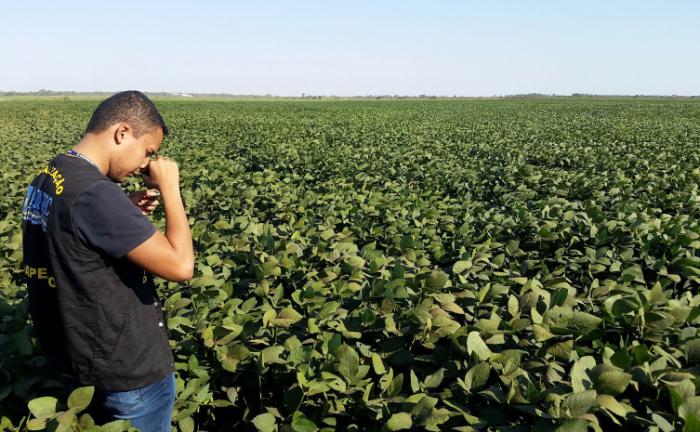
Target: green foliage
(461, 265)
(48, 413)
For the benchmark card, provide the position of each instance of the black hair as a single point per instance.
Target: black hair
(132, 107)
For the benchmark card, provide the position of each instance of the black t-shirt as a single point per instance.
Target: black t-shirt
(96, 314)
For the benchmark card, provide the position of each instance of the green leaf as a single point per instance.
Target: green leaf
(692, 423)
(633, 274)
(80, 398)
(268, 317)
(579, 403)
(561, 350)
(611, 404)
(186, 424)
(640, 353)
(116, 426)
(286, 317)
(43, 407)
(612, 382)
(415, 384)
(36, 424)
(574, 425)
(348, 362)
(406, 242)
(437, 417)
(424, 407)
(580, 381)
(513, 306)
(433, 380)
(204, 281)
(558, 297)
(265, 422)
(624, 306)
(5, 424)
(355, 261)
(685, 389)
(621, 358)
(85, 421)
(302, 424)
(377, 364)
(584, 320)
(399, 421)
(65, 419)
(676, 398)
(477, 376)
(220, 225)
(510, 360)
(662, 423)
(461, 266)
(477, 346)
(272, 355)
(437, 279)
(690, 406)
(394, 388)
(541, 334)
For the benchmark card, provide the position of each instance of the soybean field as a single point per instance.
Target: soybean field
(441, 265)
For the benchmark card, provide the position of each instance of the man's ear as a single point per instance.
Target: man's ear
(120, 132)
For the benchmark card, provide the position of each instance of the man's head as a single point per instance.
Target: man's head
(130, 130)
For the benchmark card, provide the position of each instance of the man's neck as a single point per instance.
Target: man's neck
(91, 150)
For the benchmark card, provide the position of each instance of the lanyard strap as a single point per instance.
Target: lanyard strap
(74, 153)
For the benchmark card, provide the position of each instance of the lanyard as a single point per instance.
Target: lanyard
(74, 153)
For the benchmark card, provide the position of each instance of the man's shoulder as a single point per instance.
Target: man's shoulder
(76, 176)
(101, 189)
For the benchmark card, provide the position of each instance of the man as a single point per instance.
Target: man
(90, 252)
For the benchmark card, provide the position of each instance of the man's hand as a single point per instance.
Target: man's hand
(145, 200)
(169, 256)
(162, 174)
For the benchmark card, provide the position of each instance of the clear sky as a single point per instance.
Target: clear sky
(477, 48)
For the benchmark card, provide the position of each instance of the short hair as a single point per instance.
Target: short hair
(132, 107)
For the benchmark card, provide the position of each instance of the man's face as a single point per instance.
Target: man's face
(134, 154)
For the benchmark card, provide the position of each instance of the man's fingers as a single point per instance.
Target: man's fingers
(146, 200)
(148, 205)
(145, 193)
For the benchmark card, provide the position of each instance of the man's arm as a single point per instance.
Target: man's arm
(169, 256)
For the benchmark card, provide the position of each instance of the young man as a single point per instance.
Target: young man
(90, 253)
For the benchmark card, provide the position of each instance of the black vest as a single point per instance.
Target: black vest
(97, 318)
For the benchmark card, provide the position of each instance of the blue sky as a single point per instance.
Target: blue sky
(471, 48)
